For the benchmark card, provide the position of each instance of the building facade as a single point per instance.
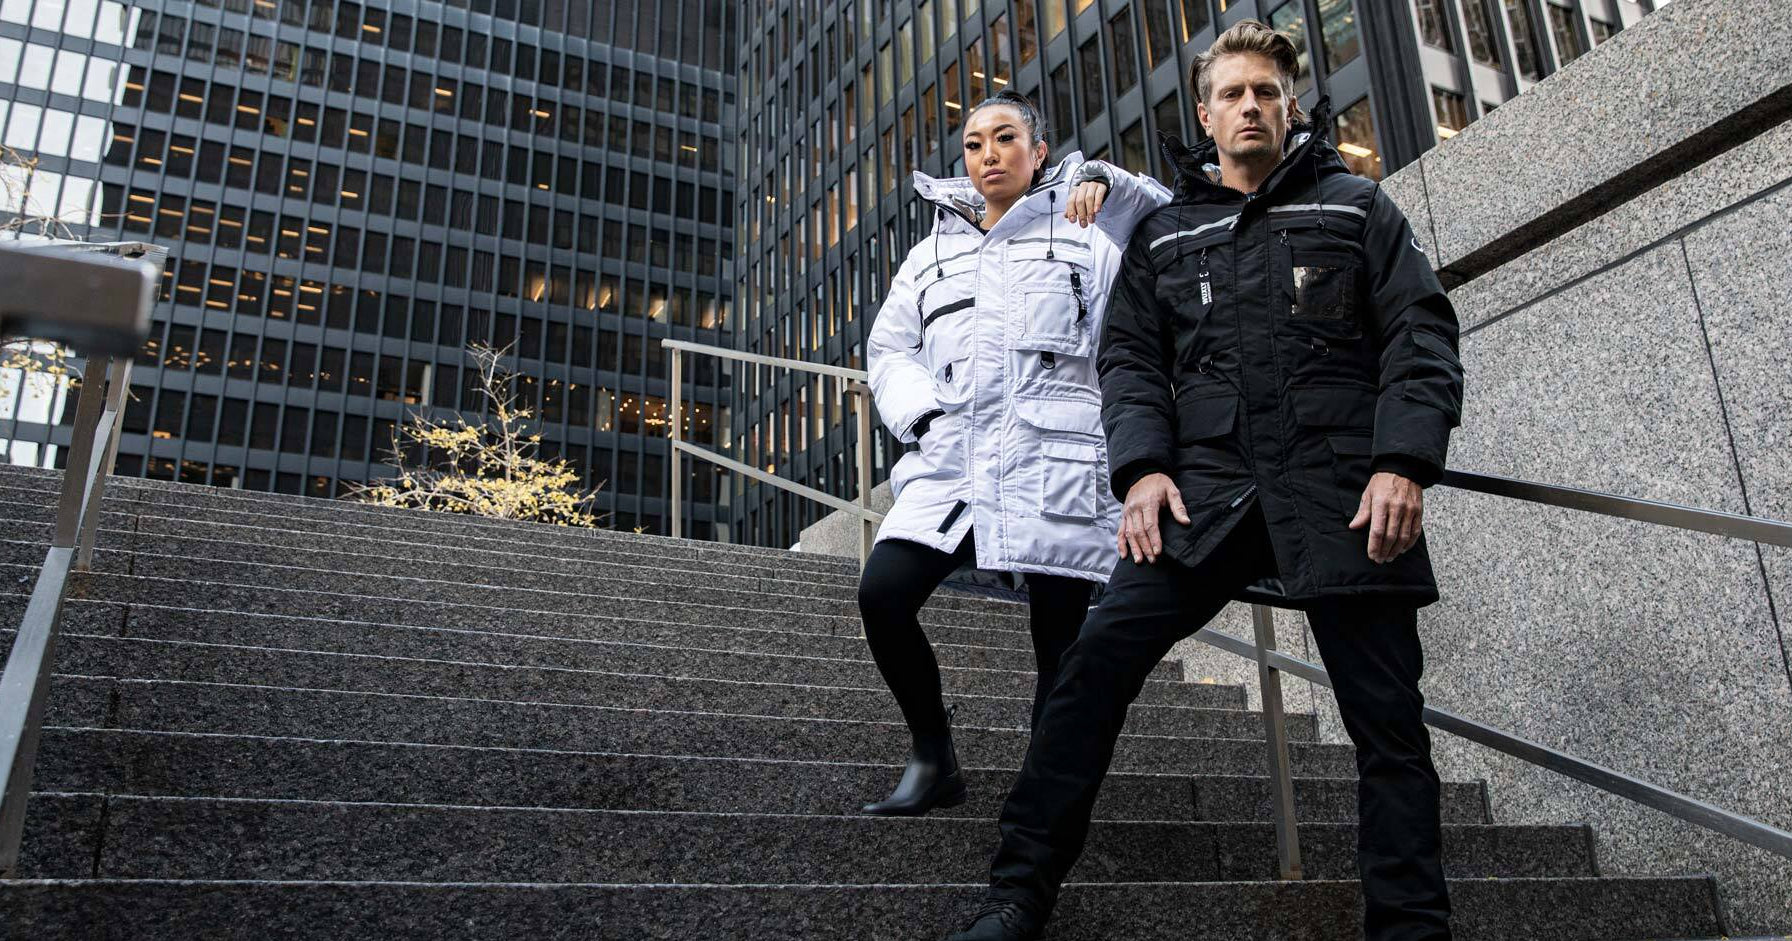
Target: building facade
(842, 99)
(351, 193)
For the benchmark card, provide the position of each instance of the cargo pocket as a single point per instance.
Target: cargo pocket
(1070, 484)
(1070, 455)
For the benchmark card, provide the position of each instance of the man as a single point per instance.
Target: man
(1279, 381)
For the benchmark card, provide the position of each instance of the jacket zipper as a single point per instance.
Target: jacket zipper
(1243, 497)
(1076, 288)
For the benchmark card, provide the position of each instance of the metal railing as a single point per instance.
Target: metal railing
(1271, 663)
(128, 292)
(856, 388)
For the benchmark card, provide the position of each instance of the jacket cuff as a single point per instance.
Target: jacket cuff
(1132, 473)
(1423, 473)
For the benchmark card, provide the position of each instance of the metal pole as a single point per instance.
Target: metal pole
(118, 377)
(676, 526)
(80, 454)
(867, 529)
(1281, 779)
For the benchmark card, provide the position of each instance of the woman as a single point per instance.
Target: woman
(984, 354)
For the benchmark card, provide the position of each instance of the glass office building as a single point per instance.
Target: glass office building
(840, 100)
(351, 192)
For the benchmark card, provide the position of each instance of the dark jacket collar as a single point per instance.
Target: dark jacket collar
(1307, 153)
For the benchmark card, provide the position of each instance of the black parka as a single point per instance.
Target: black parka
(1278, 348)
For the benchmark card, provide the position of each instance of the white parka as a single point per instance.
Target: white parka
(999, 332)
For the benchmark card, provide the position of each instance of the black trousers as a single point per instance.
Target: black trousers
(899, 578)
(1371, 649)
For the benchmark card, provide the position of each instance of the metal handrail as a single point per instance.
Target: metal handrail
(857, 388)
(104, 306)
(24, 686)
(1271, 663)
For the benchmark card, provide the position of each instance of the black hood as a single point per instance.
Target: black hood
(1307, 142)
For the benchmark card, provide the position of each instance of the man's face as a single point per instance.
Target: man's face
(1246, 114)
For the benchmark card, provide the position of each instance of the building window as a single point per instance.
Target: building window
(1195, 18)
(1355, 128)
(1132, 149)
(1477, 17)
(1337, 23)
(1451, 111)
(1524, 39)
(1434, 24)
(1158, 45)
(1568, 42)
(1167, 118)
(1120, 52)
(952, 98)
(1290, 21)
(1602, 31)
(1094, 94)
(1024, 27)
(1001, 58)
(1061, 117)
(1054, 18)
(923, 34)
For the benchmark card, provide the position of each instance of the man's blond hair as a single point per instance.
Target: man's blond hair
(1250, 37)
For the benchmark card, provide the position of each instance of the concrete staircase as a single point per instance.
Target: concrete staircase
(283, 717)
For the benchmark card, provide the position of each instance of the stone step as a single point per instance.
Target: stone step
(638, 678)
(1582, 909)
(186, 532)
(252, 766)
(160, 493)
(352, 604)
(592, 645)
(137, 837)
(243, 709)
(242, 587)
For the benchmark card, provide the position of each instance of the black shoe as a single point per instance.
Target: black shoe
(1002, 920)
(930, 780)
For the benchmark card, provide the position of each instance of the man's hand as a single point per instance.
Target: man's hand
(1394, 510)
(1085, 201)
(1138, 522)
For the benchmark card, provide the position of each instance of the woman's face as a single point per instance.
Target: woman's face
(1000, 154)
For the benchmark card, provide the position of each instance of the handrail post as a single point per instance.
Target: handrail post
(867, 529)
(1281, 779)
(118, 379)
(676, 491)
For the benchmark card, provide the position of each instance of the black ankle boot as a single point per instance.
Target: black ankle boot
(1003, 920)
(930, 780)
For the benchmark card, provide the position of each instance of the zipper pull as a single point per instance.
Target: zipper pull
(1076, 288)
(1284, 236)
(1318, 346)
(1243, 497)
(948, 372)
(1048, 359)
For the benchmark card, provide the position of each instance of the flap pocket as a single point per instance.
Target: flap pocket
(1334, 406)
(1085, 452)
(1206, 418)
(1073, 415)
(1067, 250)
(1351, 445)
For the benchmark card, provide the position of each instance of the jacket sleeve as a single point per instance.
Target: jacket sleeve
(1138, 405)
(1131, 197)
(901, 384)
(1421, 373)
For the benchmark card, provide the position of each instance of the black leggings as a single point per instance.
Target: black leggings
(898, 579)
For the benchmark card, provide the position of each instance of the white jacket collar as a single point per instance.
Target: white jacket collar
(964, 204)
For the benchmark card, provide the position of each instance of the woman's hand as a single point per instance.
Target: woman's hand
(1085, 201)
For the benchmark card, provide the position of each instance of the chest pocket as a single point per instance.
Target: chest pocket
(1052, 297)
(1321, 274)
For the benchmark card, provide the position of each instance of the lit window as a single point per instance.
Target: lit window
(1451, 110)
(1355, 134)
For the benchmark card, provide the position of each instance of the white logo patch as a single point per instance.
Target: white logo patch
(1206, 293)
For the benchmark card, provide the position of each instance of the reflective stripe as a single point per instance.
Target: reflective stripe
(1317, 207)
(1228, 222)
